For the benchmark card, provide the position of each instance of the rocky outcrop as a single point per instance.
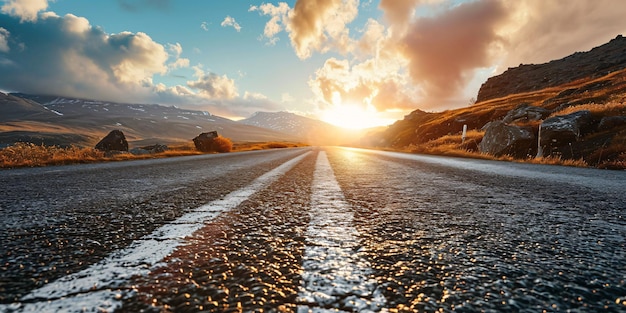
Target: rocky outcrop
(503, 139)
(525, 113)
(559, 132)
(597, 62)
(204, 141)
(114, 141)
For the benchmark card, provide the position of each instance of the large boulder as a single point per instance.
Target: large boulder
(503, 139)
(114, 141)
(204, 141)
(525, 112)
(559, 132)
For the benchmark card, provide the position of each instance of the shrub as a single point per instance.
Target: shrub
(222, 144)
(276, 145)
(29, 154)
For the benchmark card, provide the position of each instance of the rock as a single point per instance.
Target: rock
(503, 139)
(561, 131)
(156, 148)
(610, 122)
(139, 151)
(204, 141)
(114, 141)
(525, 112)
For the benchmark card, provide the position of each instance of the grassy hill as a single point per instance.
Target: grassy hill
(440, 133)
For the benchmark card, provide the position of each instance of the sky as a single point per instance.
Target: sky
(348, 62)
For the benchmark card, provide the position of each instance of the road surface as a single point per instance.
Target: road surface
(312, 230)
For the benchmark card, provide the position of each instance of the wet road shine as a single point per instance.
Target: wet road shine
(313, 230)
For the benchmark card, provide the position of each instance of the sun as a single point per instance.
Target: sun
(353, 117)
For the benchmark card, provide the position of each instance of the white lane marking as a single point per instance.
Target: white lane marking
(101, 287)
(335, 275)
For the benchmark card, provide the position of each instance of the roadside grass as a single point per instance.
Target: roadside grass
(453, 145)
(252, 146)
(31, 155)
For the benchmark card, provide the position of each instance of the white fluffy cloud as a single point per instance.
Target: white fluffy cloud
(26, 10)
(313, 25)
(230, 21)
(279, 18)
(65, 55)
(211, 85)
(176, 50)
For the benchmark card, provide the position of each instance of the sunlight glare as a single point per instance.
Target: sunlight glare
(353, 117)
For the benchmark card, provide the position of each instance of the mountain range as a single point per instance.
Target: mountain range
(53, 120)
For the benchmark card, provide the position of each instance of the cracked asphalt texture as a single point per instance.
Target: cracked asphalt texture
(436, 237)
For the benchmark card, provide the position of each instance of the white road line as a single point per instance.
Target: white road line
(335, 275)
(101, 287)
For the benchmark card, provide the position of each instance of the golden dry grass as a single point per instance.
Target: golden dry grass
(451, 145)
(551, 160)
(252, 146)
(612, 108)
(28, 155)
(31, 155)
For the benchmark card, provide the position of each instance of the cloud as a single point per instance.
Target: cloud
(398, 13)
(175, 52)
(204, 26)
(540, 31)
(211, 85)
(321, 25)
(4, 40)
(444, 50)
(278, 21)
(313, 26)
(26, 10)
(67, 56)
(229, 21)
(138, 5)
(374, 84)
(433, 54)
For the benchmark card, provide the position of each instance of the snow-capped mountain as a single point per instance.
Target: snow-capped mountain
(46, 117)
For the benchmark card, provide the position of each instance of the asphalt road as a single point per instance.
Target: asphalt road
(312, 230)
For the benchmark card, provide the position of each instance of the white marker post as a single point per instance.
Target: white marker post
(464, 133)
(539, 147)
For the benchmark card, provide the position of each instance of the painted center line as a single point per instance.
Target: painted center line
(102, 286)
(336, 276)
